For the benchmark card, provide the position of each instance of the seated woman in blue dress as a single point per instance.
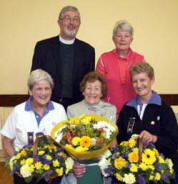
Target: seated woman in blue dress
(149, 116)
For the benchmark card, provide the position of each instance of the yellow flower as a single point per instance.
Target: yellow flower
(41, 152)
(143, 166)
(54, 148)
(151, 167)
(59, 171)
(119, 177)
(69, 146)
(46, 167)
(119, 163)
(86, 120)
(76, 141)
(75, 121)
(132, 143)
(171, 171)
(18, 155)
(85, 141)
(23, 153)
(157, 176)
(151, 177)
(56, 163)
(134, 156)
(161, 160)
(64, 155)
(134, 168)
(38, 165)
(22, 162)
(48, 157)
(135, 150)
(29, 161)
(156, 151)
(31, 168)
(124, 143)
(148, 157)
(169, 162)
(81, 149)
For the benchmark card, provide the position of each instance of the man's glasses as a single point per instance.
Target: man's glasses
(69, 19)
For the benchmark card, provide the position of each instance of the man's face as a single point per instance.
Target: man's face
(69, 24)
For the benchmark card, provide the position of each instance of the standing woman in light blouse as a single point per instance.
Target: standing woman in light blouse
(114, 66)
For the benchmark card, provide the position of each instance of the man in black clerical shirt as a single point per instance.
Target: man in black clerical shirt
(65, 58)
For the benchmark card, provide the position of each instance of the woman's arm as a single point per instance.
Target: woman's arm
(100, 67)
(169, 130)
(8, 146)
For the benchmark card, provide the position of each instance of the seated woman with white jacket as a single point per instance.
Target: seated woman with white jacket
(37, 114)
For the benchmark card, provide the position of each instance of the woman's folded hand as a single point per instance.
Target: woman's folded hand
(79, 169)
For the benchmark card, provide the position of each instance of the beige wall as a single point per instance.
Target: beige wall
(23, 22)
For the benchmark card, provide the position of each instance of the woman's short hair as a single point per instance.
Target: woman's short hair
(38, 75)
(123, 25)
(92, 77)
(68, 8)
(142, 67)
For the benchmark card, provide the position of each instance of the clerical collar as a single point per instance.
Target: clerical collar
(68, 42)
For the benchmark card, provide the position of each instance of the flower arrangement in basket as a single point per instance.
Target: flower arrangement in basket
(86, 136)
(134, 161)
(42, 160)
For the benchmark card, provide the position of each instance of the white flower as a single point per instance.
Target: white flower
(93, 141)
(59, 134)
(109, 129)
(129, 178)
(169, 162)
(103, 164)
(134, 136)
(69, 164)
(106, 154)
(25, 171)
(59, 137)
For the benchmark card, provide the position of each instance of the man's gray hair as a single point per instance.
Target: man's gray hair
(38, 75)
(123, 25)
(68, 8)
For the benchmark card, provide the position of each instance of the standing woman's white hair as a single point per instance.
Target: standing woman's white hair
(123, 25)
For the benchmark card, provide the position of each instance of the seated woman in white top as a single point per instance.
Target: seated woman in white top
(37, 114)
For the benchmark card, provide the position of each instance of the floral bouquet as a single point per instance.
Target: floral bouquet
(42, 160)
(85, 137)
(137, 162)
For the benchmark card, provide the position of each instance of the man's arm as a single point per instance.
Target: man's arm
(92, 60)
(37, 58)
